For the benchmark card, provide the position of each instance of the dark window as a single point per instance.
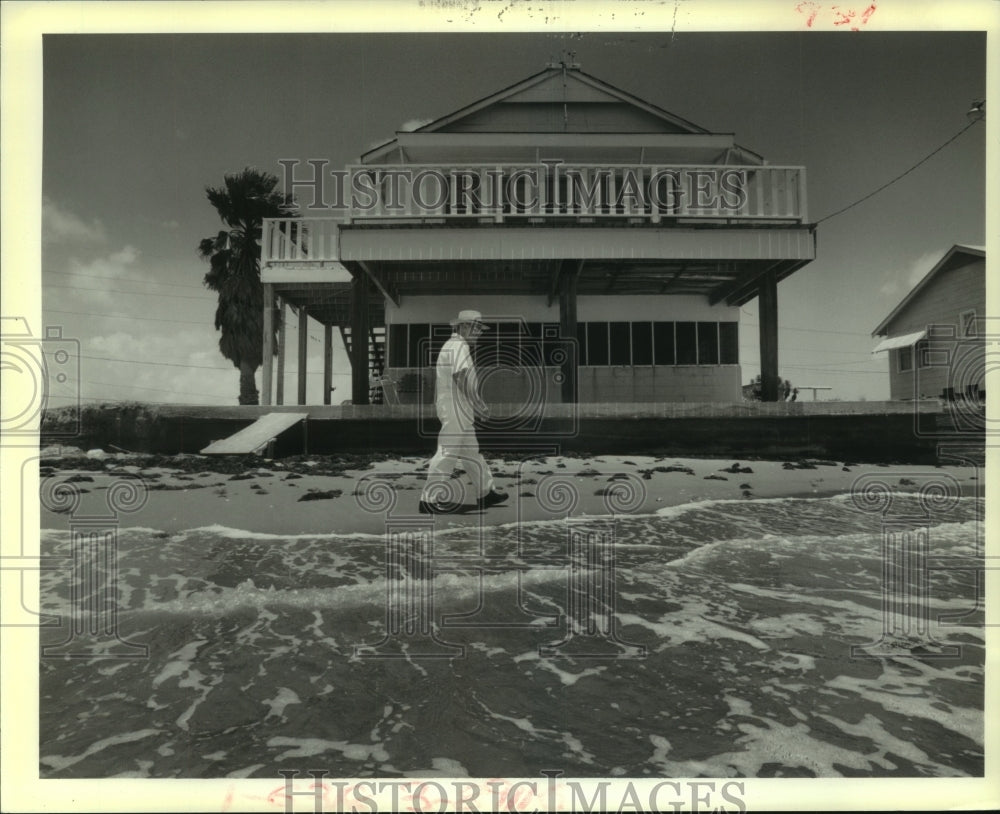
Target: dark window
(905, 359)
(687, 343)
(642, 343)
(663, 343)
(708, 343)
(620, 343)
(419, 350)
(397, 346)
(597, 343)
(581, 343)
(729, 343)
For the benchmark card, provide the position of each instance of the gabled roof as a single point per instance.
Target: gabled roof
(943, 263)
(558, 84)
(553, 83)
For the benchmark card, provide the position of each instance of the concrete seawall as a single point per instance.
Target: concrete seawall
(861, 431)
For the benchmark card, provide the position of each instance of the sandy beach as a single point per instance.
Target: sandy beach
(323, 494)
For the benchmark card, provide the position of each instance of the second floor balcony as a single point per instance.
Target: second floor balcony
(524, 196)
(552, 188)
(391, 193)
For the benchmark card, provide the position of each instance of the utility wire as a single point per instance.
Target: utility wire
(138, 362)
(164, 364)
(901, 175)
(750, 324)
(125, 316)
(124, 291)
(122, 279)
(141, 387)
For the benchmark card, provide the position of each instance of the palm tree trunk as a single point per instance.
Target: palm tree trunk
(248, 386)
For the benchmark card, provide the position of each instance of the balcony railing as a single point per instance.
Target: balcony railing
(549, 191)
(555, 189)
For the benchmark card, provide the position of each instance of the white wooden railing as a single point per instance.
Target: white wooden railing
(506, 193)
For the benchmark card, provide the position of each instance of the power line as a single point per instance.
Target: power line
(166, 364)
(828, 370)
(858, 357)
(901, 175)
(123, 291)
(139, 362)
(141, 387)
(124, 316)
(806, 330)
(112, 277)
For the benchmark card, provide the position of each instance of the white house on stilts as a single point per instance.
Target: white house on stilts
(610, 244)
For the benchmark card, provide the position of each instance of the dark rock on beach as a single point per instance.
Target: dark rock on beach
(328, 494)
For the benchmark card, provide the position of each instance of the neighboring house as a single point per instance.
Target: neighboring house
(610, 242)
(935, 337)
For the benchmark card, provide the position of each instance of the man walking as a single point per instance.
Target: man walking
(458, 401)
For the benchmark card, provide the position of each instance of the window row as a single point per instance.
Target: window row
(519, 344)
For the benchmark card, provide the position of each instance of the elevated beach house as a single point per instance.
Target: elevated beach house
(935, 337)
(609, 243)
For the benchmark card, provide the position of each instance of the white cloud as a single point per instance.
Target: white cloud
(901, 280)
(889, 287)
(181, 368)
(413, 124)
(919, 268)
(61, 226)
(88, 282)
(187, 368)
(170, 223)
(406, 127)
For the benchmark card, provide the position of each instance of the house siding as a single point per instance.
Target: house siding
(955, 289)
(542, 117)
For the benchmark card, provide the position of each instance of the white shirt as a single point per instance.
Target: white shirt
(454, 358)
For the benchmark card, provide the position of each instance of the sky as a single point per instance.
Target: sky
(135, 126)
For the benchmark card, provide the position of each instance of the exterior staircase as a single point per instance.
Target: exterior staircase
(376, 358)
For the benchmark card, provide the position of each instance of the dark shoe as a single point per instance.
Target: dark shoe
(438, 508)
(492, 499)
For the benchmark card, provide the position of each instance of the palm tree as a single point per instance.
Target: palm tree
(246, 199)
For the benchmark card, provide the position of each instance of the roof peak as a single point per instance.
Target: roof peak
(568, 62)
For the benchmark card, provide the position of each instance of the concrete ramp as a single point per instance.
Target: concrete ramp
(257, 435)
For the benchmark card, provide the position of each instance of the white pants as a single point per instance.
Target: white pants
(457, 445)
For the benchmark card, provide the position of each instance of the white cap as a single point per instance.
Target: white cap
(469, 316)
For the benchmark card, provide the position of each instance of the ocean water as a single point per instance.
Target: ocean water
(712, 639)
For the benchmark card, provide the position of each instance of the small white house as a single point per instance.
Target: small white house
(935, 337)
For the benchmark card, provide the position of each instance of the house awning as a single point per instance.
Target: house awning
(904, 341)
